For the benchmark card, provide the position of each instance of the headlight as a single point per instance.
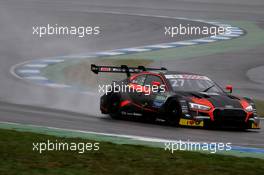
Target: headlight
(196, 106)
(249, 108)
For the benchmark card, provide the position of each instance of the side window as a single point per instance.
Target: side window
(139, 80)
(151, 78)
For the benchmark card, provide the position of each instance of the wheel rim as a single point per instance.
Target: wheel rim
(173, 118)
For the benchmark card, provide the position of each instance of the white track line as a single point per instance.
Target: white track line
(52, 60)
(36, 78)
(161, 46)
(36, 65)
(55, 85)
(110, 53)
(220, 37)
(205, 40)
(184, 43)
(135, 50)
(32, 71)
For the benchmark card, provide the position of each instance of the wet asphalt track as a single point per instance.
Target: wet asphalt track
(18, 45)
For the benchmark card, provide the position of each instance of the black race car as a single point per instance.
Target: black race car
(179, 98)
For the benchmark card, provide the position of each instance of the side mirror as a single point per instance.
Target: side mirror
(155, 83)
(229, 88)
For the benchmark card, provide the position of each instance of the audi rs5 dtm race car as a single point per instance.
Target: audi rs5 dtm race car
(179, 98)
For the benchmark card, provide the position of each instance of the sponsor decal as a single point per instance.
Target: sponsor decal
(187, 122)
(130, 113)
(160, 97)
(159, 100)
(105, 69)
(255, 126)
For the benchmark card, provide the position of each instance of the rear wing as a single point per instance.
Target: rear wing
(123, 69)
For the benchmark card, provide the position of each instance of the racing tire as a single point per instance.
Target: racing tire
(173, 114)
(114, 107)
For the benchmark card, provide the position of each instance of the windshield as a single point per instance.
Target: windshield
(193, 83)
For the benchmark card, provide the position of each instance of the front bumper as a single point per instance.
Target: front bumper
(205, 121)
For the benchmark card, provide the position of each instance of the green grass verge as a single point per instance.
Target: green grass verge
(17, 157)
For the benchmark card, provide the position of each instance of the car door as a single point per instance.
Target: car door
(149, 100)
(137, 83)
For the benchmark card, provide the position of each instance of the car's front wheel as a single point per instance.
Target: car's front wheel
(173, 114)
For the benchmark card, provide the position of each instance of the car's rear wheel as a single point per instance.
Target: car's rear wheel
(173, 114)
(114, 107)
